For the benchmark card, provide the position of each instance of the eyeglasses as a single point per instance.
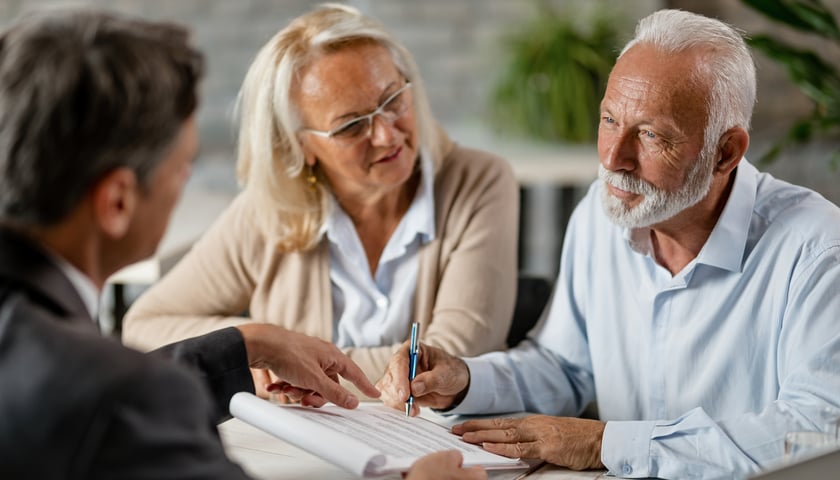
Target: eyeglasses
(360, 128)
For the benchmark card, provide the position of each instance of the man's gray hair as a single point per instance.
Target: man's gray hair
(729, 64)
(83, 93)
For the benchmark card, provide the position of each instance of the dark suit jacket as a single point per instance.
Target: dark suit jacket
(74, 404)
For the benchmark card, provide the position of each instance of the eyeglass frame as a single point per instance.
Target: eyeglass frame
(380, 110)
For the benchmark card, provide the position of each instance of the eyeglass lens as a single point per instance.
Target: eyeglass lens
(361, 127)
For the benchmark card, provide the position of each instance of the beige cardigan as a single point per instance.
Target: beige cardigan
(466, 280)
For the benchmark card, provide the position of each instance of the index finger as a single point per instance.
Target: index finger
(400, 361)
(394, 382)
(352, 373)
(332, 391)
(485, 424)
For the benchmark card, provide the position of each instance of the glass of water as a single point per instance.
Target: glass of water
(799, 445)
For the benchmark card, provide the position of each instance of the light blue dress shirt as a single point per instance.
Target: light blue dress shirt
(700, 374)
(375, 310)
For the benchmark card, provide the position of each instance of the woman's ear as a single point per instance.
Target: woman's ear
(308, 156)
(114, 199)
(732, 147)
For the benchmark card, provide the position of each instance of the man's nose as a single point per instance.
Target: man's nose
(619, 151)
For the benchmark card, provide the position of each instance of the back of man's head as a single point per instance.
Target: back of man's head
(81, 94)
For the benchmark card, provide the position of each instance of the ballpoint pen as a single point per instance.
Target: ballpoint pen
(412, 366)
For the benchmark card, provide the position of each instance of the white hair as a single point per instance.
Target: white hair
(729, 66)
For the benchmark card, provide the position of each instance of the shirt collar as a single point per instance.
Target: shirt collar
(83, 285)
(725, 246)
(728, 241)
(420, 217)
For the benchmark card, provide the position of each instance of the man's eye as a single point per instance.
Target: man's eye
(609, 120)
(350, 129)
(647, 134)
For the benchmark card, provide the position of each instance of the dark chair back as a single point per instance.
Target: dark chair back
(531, 298)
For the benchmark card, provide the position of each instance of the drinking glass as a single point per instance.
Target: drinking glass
(805, 444)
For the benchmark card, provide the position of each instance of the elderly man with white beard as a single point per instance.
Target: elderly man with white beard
(697, 301)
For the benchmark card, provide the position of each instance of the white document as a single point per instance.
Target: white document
(368, 441)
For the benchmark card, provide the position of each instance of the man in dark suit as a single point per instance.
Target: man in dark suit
(97, 136)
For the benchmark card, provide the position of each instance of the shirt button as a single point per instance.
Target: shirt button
(626, 469)
(382, 302)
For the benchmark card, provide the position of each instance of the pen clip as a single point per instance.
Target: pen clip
(412, 364)
(414, 345)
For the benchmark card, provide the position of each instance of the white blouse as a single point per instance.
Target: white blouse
(370, 311)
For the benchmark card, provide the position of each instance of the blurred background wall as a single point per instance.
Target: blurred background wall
(458, 45)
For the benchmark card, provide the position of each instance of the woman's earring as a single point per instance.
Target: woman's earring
(311, 179)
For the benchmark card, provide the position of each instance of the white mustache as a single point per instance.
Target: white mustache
(626, 182)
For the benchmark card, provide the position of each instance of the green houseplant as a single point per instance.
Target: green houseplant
(552, 85)
(818, 79)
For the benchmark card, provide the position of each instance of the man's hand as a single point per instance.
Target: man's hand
(308, 367)
(262, 379)
(267, 386)
(444, 466)
(569, 442)
(441, 379)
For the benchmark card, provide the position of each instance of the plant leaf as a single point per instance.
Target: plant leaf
(834, 161)
(552, 84)
(810, 16)
(816, 78)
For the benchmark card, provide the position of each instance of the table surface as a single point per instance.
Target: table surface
(266, 457)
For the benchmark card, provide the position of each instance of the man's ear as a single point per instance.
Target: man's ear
(732, 147)
(114, 198)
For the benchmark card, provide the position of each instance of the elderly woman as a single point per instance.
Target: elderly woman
(358, 214)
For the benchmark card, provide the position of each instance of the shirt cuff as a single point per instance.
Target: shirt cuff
(479, 396)
(625, 448)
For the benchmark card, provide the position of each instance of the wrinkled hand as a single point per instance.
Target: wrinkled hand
(308, 368)
(444, 466)
(441, 379)
(569, 442)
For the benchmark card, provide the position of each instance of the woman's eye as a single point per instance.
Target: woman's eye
(351, 129)
(395, 105)
(609, 120)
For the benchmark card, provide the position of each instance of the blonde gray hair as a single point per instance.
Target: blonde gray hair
(270, 162)
(729, 66)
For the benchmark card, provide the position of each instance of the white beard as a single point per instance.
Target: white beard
(657, 205)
